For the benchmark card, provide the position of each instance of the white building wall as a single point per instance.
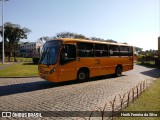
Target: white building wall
(30, 48)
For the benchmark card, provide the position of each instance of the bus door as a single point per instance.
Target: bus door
(68, 69)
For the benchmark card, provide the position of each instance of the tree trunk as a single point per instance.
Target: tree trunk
(14, 55)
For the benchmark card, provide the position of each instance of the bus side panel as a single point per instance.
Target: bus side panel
(86, 62)
(91, 64)
(108, 65)
(105, 65)
(68, 71)
(98, 66)
(127, 63)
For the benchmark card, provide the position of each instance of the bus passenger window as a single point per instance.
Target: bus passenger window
(68, 54)
(113, 50)
(101, 50)
(130, 51)
(124, 51)
(110, 52)
(85, 49)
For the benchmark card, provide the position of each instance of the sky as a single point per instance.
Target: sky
(136, 22)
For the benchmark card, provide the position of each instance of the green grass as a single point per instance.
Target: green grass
(20, 70)
(150, 64)
(148, 101)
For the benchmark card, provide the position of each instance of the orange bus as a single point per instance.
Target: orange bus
(65, 59)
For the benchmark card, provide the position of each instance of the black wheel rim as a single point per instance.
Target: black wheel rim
(119, 71)
(82, 76)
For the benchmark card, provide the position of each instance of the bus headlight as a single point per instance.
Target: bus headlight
(52, 70)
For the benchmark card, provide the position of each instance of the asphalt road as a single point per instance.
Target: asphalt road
(35, 94)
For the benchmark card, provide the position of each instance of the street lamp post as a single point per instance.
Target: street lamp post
(2, 34)
(3, 56)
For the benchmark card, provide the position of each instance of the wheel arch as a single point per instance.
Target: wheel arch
(84, 69)
(119, 65)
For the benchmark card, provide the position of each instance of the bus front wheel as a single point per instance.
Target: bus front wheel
(118, 71)
(82, 75)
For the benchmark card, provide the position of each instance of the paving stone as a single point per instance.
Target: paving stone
(35, 94)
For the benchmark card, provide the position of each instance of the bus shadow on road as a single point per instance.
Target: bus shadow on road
(24, 87)
(155, 73)
(40, 85)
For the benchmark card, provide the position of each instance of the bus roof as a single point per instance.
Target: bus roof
(89, 41)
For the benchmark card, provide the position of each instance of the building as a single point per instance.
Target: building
(28, 49)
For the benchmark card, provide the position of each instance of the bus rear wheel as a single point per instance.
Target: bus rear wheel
(118, 71)
(82, 75)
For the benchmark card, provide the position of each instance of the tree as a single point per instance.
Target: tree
(13, 33)
(110, 40)
(125, 43)
(70, 35)
(79, 36)
(138, 49)
(96, 39)
(44, 39)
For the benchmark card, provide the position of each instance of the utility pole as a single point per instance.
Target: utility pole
(3, 55)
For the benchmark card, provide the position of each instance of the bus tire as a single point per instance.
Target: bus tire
(118, 71)
(82, 75)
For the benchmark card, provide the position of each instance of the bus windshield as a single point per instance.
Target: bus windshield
(50, 52)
